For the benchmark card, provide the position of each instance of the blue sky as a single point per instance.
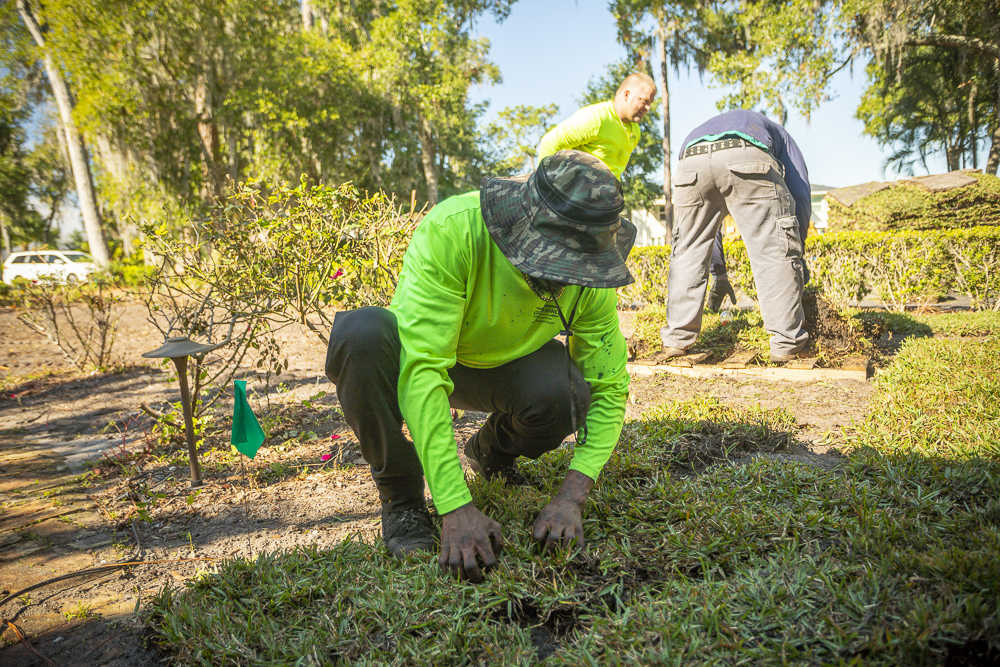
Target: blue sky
(547, 51)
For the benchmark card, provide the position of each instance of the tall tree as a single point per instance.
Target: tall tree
(14, 170)
(892, 28)
(49, 174)
(778, 54)
(782, 53)
(74, 142)
(921, 111)
(678, 30)
(18, 71)
(428, 60)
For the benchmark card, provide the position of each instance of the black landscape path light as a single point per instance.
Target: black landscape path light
(178, 350)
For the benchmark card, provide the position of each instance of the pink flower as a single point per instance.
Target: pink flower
(326, 457)
(339, 273)
(335, 436)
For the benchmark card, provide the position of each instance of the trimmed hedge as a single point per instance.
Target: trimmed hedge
(906, 206)
(898, 267)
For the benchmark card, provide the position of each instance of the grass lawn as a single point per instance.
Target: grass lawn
(703, 549)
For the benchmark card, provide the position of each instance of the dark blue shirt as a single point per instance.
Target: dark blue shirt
(764, 132)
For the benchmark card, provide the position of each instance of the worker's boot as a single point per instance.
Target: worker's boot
(784, 358)
(489, 465)
(407, 531)
(667, 353)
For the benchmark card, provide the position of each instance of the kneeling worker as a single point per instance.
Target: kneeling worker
(488, 280)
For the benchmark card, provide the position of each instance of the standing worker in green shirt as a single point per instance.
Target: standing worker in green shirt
(610, 131)
(489, 279)
(607, 130)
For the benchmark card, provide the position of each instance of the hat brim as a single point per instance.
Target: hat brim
(531, 252)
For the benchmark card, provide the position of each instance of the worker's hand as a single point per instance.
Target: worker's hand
(721, 288)
(468, 538)
(560, 523)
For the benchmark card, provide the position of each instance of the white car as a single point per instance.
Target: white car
(58, 265)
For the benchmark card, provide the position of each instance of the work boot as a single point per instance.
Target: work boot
(408, 531)
(666, 353)
(489, 465)
(791, 356)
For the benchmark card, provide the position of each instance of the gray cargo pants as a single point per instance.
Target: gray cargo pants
(748, 183)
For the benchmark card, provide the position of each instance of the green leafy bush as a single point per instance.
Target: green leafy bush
(911, 207)
(899, 267)
(289, 255)
(129, 273)
(649, 266)
(908, 266)
(8, 295)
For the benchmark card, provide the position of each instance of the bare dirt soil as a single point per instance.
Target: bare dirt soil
(831, 331)
(307, 486)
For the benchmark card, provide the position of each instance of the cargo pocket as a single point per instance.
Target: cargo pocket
(753, 181)
(686, 192)
(788, 234)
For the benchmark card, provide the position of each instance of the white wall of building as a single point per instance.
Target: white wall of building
(650, 226)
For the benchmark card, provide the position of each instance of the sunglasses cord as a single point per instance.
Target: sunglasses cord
(567, 331)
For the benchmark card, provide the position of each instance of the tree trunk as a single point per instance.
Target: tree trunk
(668, 205)
(307, 15)
(5, 238)
(74, 143)
(208, 132)
(993, 161)
(426, 134)
(973, 126)
(375, 166)
(952, 152)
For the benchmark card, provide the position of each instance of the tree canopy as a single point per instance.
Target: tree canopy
(177, 98)
(165, 103)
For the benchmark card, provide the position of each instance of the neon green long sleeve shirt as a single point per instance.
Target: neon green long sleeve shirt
(598, 130)
(460, 300)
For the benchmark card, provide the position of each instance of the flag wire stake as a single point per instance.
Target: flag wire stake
(246, 505)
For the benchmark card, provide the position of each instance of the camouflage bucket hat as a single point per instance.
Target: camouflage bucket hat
(563, 222)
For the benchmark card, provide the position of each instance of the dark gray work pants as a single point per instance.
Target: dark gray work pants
(528, 400)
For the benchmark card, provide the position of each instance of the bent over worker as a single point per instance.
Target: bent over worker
(746, 165)
(489, 280)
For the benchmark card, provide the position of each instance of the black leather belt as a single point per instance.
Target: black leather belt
(720, 145)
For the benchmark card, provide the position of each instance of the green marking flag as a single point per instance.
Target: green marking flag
(247, 436)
